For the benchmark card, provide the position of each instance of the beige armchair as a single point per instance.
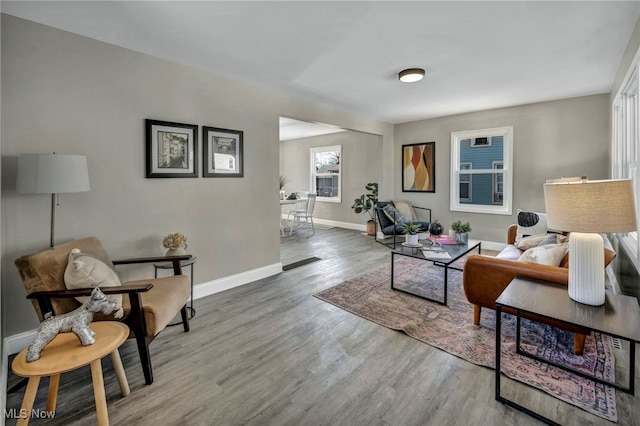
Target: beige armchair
(148, 308)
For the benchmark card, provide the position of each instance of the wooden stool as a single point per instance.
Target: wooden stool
(65, 353)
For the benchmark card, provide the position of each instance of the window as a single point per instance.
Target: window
(626, 148)
(465, 183)
(481, 175)
(326, 173)
(498, 183)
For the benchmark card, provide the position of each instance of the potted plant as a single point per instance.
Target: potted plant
(366, 204)
(461, 231)
(411, 232)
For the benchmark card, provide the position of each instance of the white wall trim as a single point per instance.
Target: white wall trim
(226, 283)
(4, 371)
(17, 342)
(337, 224)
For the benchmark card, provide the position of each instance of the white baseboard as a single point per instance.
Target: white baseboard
(226, 283)
(337, 224)
(4, 371)
(17, 342)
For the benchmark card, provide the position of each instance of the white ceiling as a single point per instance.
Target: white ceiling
(478, 55)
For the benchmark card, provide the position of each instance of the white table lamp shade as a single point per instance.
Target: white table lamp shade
(586, 209)
(52, 174)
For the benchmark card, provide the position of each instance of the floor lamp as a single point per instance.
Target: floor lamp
(52, 174)
(586, 209)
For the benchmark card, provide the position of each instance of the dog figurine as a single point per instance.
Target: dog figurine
(76, 321)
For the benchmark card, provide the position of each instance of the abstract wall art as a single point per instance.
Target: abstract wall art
(418, 167)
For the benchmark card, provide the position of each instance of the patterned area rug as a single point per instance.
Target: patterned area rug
(451, 329)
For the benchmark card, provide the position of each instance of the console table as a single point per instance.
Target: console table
(618, 317)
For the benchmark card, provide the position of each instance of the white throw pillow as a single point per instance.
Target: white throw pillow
(84, 270)
(550, 254)
(530, 223)
(540, 240)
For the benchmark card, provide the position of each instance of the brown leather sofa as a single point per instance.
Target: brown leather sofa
(484, 278)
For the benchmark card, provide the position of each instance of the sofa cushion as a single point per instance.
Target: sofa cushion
(531, 223)
(550, 254)
(540, 240)
(510, 252)
(393, 214)
(84, 270)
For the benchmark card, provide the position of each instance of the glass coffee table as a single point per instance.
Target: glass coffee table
(441, 255)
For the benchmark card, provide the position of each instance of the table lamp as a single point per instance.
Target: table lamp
(52, 174)
(586, 209)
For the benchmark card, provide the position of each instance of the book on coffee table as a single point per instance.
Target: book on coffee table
(436, 254)
(443, 239)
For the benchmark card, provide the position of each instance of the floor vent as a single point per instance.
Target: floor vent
(300, 263)
(615, 342)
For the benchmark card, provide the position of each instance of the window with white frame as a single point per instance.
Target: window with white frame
(626, 147)
(465, 182)
(481, 170)
(326, 170)
(498, 183)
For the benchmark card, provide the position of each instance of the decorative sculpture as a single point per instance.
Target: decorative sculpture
(76, 321)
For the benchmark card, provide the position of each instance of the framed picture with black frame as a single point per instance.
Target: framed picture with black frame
(419, 167)
(222, 152)
(171, 149)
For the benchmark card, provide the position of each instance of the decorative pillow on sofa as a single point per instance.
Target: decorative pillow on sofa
(540, 240)
(393, 214)
(84, 270)
(550, 254)
(531, 223)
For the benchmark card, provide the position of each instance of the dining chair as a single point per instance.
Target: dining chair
(306, 214)
(300, 206)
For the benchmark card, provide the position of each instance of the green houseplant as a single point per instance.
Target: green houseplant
(461, 231)
(366, 204)
(411, 232)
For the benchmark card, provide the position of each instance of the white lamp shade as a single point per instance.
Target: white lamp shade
(52, 174)
(599, 206)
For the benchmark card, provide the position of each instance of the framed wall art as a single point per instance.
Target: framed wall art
(172, 149)
(223, 152)
(419, 167)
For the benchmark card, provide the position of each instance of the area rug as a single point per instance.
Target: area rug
(451, 329)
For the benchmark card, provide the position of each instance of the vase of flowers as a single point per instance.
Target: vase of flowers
(176, 244)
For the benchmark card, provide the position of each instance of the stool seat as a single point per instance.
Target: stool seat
(65, 353)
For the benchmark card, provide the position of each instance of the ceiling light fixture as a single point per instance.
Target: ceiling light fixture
(411, 75)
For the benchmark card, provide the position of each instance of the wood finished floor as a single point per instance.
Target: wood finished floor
(269, 353)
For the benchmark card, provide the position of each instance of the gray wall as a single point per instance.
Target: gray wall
(361, 164)
(560, 138)
(69, 94)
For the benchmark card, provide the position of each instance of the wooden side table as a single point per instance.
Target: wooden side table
(65, 353)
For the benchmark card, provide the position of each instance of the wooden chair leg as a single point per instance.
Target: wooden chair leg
(145, 358)
(477, 310)
(578, 343)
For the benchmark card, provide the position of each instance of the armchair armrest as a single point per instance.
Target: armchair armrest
(425, 209)
(484, 278)
(79, 292)
(175, 260)
(44, 297)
